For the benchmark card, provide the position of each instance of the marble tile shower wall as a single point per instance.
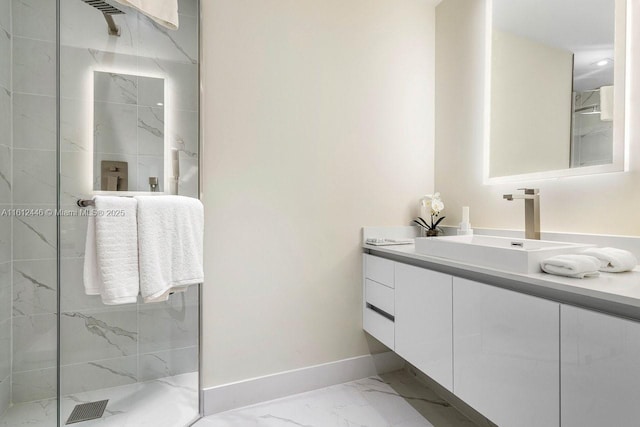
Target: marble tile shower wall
(5, 202)
(100, 346)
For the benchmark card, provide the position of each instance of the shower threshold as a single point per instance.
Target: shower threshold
(169, 401)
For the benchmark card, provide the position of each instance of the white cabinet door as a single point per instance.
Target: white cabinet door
(506, 354)
(423, 332)
(600, 366)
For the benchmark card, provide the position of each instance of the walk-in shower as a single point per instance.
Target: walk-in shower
(72, 96)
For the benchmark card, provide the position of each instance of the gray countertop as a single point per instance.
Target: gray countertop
(613, 293)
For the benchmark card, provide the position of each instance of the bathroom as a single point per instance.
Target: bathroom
(303, 128)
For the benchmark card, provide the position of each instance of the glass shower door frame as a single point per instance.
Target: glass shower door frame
(60, 422)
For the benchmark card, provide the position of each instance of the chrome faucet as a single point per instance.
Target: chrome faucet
(531, 198)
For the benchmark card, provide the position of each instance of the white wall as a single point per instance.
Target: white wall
(606, 203)
(531, 85)
(317, 120)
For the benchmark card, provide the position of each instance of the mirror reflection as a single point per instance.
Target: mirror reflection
(552, 84)
(129, 132)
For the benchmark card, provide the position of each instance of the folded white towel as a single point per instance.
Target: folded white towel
(613, 260)
(577, 265)
(111, 251)
(164, 12)
(170, 239)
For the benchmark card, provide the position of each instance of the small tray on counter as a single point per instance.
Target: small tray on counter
(381, 241)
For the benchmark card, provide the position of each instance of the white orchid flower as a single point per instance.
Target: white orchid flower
(430, 206)
(437, 205)
(433, 202)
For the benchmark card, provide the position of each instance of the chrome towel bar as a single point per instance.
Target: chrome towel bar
(85, 203)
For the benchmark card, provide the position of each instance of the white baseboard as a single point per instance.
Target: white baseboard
(255, 390)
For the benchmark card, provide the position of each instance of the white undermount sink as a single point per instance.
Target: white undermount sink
(503, 253)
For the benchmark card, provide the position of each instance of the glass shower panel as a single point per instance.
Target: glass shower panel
(5, 203)
(28, 237)
(131, 99)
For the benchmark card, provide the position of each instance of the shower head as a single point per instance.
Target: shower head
(107, 11)
(104, 7)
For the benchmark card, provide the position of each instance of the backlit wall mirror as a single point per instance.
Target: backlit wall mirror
(129, 132)
(556, 86)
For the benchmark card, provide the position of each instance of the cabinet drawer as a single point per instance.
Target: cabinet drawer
(379, 326)
(380, 296)
(379, 270)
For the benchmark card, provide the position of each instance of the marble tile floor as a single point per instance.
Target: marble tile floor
(391, 400)
(165, 402)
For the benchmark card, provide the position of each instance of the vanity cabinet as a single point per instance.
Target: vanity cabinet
(600, 369)
(423, 321)
(379, 301)
(517, 359)
(506, 354)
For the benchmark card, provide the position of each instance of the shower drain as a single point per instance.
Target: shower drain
(87, 411)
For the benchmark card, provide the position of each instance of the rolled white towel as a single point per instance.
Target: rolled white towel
(613, 260)
(577, 266)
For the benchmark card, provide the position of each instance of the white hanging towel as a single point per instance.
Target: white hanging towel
(90, 276)
(606, 103)
(111, 251)
(164, 12)
(170, 241)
